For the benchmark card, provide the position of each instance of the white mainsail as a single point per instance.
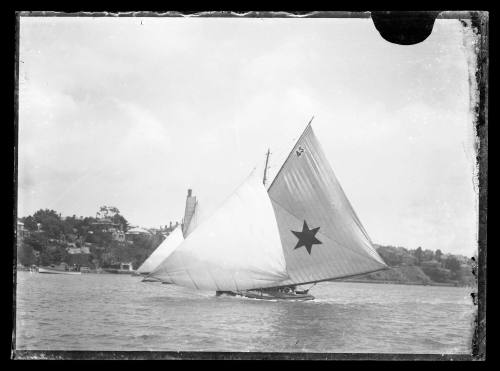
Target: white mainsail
(171, 242)
(321, 235)
(236, 248)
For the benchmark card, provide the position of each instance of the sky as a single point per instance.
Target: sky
(131, 112)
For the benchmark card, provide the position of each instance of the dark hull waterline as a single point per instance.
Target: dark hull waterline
(257, 294)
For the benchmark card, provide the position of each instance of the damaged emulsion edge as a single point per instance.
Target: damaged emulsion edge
(477, 22)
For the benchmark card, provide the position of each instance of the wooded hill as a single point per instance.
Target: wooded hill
(49, 236)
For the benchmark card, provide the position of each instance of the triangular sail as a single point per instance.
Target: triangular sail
(189, 211)
(321, 235)
(196, 219)
(236, 248)
(171, 242)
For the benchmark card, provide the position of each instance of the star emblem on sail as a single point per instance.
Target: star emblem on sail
(238, 247)
(306, 192)
(306, 237)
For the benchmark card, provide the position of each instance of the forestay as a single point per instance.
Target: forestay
(171, 242)
(236, 248)
(321, 235)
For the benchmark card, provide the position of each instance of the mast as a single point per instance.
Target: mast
(266, 167)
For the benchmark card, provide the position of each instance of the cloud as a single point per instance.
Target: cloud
(115, 111)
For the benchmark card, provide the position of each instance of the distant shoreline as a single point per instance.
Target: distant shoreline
(339, 280)
(399, 283)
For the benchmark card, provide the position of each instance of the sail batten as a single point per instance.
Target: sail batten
(321, 235)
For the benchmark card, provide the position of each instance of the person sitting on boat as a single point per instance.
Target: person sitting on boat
(289, 289)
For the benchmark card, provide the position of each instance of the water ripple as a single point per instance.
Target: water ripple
(116, 312)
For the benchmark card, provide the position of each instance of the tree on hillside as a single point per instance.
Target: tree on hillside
(453, 264)
(25, 254)
(112, 212)
(54, 255)
(37, 241)
(418, 255)
(120, 219)
(427, 255)
(51, 222)
(99, 238)
(438, 255)
(395, 256)
(436, 274)
(108, 211)
(29, 223)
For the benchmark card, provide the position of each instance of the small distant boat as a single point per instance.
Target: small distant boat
(56, 270)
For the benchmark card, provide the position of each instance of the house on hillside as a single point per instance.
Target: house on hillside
(135, 233)
(106, 225)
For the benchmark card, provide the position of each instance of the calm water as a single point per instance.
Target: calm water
(118, 312)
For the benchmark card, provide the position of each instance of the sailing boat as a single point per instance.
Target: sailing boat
(236, 248)
(320, 236)
(173, 240)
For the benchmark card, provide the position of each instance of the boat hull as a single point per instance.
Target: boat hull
(257, 294)
(55, 271)
(150, 279)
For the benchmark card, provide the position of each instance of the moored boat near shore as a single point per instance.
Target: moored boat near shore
(56, 271)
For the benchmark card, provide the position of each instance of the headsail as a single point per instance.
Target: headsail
(198, 216)
(171, 242)
(236, 248)
(321, 235)
(189, 211)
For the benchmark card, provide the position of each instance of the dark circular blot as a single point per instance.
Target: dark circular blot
(405, 28)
